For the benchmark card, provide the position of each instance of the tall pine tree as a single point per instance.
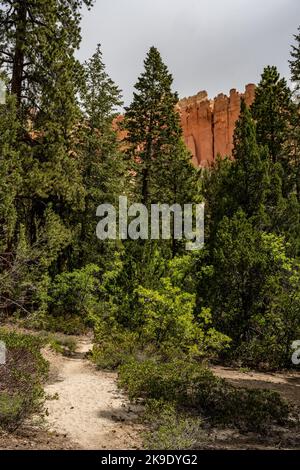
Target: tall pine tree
(159, 161)
(101, 159)
(273, 110)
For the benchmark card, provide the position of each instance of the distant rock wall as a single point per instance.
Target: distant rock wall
(208, 125)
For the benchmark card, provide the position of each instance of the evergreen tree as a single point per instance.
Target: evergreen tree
(276, 118)
(247, 286)
(249, 172)
(101, 159)
(10, 173)
(30, 33)
(159, 160)
(44, 77)
(295, 64)
(273, 110)
(295, 134)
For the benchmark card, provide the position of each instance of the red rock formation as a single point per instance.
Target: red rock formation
(208, 125)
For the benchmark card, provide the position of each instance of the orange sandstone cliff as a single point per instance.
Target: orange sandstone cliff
(208, 125)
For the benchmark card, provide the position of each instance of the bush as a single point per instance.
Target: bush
(170, 430)
(63, 345)
(191, 386)
(114, 348)
(69, 325)
(74, 295)
(168, 322)
(21, 391)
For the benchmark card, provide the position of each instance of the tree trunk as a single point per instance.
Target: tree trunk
(18, 60)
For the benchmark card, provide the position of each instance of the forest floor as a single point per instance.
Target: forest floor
(86, 410)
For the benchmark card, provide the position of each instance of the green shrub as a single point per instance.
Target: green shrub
(21, 390)
(11, 406)
(65, 346)
(114, 349)
(170, 429)
(168, 322)
(73, 299)
(191, 386)
(67, 324)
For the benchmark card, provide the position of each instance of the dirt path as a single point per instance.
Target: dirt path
(89, 409)
(286, 383)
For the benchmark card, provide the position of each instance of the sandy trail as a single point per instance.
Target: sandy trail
(286, 383)
(90, 410)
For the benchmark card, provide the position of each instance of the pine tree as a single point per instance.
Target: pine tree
(273, 110)
(102, 161)
(241, 183)
(249, 286)
(295, 134)
(10, 173)
(38, 53)
(30, 33)
(295, 64)
(249, 172)
(155, 137)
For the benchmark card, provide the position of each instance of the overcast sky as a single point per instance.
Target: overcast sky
(212, 45)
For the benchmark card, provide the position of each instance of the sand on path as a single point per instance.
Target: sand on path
(86, 405)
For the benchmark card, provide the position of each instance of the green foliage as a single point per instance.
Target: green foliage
(114, 348)
(160, 162)
(191, 386)
(75, 293)
(249, 174)
(240, 277)
(32, 33)
(169, 323)
(170, 430)
(21, 391)
(62, 345)
(249, 286)
(295, 131)
(295, 63)
(272, 109)
(102, 162)
(152, 125)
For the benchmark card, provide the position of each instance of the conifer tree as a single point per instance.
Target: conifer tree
(38, 54)
(102, 161)
(273, 110)
(249, 172)
(10, 173)
(31, 32)
(295, 63)
(295, 134)
(155, 137)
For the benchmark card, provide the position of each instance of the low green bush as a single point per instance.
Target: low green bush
(169, 428)
(114, 349)
(75, 293)
(22, 376)
(62, 345)
(191, 386)
(68, 324)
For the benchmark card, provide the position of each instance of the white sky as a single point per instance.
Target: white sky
(212, 45)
